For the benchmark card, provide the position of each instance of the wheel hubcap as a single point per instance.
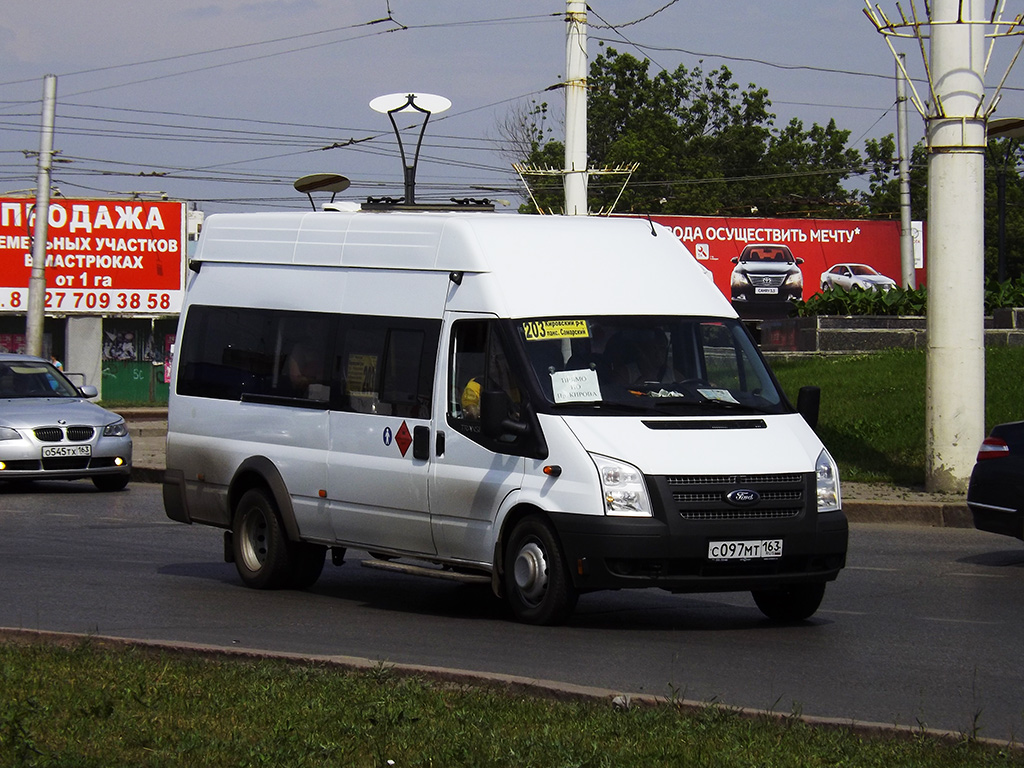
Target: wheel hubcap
(254, 540)
(531, 572)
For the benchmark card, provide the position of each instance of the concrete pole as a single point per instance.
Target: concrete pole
(37, 280)
(955, 377)
(904, 152)
(576, 108)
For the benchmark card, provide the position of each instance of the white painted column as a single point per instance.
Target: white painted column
(955, 379)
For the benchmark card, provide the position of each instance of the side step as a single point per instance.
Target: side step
(432, 573)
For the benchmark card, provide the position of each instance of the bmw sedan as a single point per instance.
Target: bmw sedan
(49, 430)
(996, 491)
(849, 276)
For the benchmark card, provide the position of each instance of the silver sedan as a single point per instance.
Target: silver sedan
(848, 276)
(49, 430)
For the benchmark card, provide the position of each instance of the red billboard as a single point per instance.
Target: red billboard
(809, 248)
(107, 257)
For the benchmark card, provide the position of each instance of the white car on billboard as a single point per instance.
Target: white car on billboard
(849, 276)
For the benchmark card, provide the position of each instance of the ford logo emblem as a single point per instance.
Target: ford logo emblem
(743, 497)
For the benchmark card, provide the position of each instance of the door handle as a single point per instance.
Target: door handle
(421, 443)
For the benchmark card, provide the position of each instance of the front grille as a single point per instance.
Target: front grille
(80, 434)
(705, 497)
(771, 281)
(57, 434)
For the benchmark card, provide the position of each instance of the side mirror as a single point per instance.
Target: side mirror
(88, 390)
(808, 404)
(494, 420)
(735, 259)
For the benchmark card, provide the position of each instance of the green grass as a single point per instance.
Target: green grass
(87, 706)
(872, 407)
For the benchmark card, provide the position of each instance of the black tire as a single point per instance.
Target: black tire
(262, 553)
(111, 482)
(537, 583)
(307, 564)
(790, 604)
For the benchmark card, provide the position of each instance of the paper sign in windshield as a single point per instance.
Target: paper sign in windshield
(539, 330)
(722, 395)
(575, 386)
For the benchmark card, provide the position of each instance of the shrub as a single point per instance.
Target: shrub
(901, 301)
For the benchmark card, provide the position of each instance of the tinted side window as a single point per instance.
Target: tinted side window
(232, 352)
(387, 365)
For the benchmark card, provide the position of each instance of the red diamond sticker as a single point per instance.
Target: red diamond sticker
(403, 438)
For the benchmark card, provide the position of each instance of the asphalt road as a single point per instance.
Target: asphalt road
(922, 629)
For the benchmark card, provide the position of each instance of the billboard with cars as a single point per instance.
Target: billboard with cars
(763, 264)
(108, 257)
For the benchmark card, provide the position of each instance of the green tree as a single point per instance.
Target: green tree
(703, 145)
(1002, 159)
(882, 198)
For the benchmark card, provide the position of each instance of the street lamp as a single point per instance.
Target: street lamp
(426, 104)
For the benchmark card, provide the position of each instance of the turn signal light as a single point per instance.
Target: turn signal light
(993, 448)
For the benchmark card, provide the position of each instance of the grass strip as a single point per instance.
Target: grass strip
(85, 705)
(873, 407)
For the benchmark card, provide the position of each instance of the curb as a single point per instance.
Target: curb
(539, 688)
(923, 513)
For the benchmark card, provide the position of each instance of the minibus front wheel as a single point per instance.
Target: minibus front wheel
(537, 583)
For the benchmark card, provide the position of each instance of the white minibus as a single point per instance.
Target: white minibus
(550, 405)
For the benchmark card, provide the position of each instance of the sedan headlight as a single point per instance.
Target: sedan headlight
(623, 488)
(117, 429)
(7, 433)
(827, 475)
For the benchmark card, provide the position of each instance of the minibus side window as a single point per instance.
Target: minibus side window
(386, 365)
(232, 353)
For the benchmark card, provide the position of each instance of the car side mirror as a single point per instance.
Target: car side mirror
(799, 261)
(735, 259)
(494, 420)
(808, 404)
(88, 390)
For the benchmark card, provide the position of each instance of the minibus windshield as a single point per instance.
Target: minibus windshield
(655, 364)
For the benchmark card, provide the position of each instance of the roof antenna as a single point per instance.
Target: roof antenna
(321, 182)
(650, 221)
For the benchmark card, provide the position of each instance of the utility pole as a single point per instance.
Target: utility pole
(904, 152)
(37, 280)
(952, 40)
(576, 108)
(955, 366)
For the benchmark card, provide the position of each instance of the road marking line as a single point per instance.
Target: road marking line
(963, 621)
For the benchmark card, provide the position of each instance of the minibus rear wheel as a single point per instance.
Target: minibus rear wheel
(789, 604)
(537, 582)
(262, 555)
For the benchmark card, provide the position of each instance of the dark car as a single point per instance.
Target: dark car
(766, 275)
(996, 490)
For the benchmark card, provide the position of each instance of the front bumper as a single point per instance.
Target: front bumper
(670, 550)
(23, 459)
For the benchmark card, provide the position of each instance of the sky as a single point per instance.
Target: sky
(224, 103)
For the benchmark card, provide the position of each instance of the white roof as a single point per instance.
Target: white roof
(515, 265)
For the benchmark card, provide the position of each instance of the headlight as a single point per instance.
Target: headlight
(827, 474)
(796, 279)
(117, 429)
(739, 279)
(623, 488)
(7, 433)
